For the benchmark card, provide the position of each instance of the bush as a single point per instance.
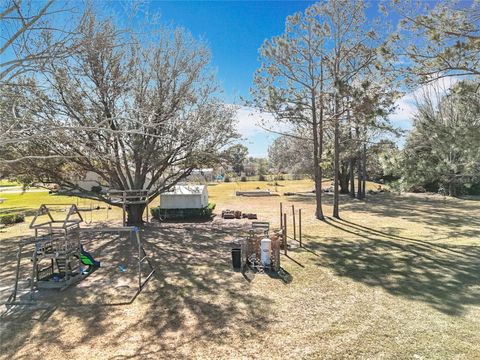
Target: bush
(10, 219)
(243, 179)
(473, 189)
(181, 214)
(97, 189)
(226, 179)
(262, 178)
(208, 210)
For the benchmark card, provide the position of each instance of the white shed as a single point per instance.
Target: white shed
(185, 197)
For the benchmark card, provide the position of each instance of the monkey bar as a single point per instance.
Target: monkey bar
(63, 250)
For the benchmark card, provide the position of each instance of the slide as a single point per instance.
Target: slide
(88, 259)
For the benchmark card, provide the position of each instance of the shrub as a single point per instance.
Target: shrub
(226, 179)
(10, 219)
(473, 189)
(180, 214)
(97, 189)
(262, 178)
(243, 179)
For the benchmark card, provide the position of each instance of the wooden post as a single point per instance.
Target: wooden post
(147, 205)
(294, 227)
(124, 207)
(281, 219)
(285, 234)
(300, 226)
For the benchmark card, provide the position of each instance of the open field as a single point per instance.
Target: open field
(397, 278)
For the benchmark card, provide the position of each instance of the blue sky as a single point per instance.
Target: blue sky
(235, 30)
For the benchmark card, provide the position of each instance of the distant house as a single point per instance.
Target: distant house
(249, 169)
(202, 175)
(90, 180)
(185, 197)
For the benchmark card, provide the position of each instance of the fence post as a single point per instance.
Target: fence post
(300, 226)
(294, 227)
(281, 219)
(285, 234)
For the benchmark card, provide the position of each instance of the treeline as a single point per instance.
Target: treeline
(333, 78)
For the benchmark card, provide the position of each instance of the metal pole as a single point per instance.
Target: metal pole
(300, 226)
(285, 233)
(124, 207)
(19, 254)
(294, 228)
(34, 273)
(147, 207)
(139, 261)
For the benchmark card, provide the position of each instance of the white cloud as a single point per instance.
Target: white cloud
(253, 126)
(252, 121)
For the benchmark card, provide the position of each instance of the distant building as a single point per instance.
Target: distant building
(201, 175)
(185, 197)
(90, 180)
(249, 169)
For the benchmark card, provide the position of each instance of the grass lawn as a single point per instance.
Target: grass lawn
(8, 183)
(28, 202)
(398, 277)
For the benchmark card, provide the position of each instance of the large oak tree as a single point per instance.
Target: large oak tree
(140, 112)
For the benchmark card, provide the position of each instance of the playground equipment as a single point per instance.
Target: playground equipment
(58, 254)
(129, 197)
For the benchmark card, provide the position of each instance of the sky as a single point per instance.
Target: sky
(234, 31)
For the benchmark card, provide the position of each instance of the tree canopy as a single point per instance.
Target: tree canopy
(140, 113)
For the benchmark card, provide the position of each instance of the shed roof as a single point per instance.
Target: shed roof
(185, 190)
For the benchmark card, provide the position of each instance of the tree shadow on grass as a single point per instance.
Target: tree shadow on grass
(196, 295)
(428, 210)
(17, 210)
(447, 278)
(193, 297)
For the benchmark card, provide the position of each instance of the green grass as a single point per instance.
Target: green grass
(30, 201)
(9, 183)
(27, 203)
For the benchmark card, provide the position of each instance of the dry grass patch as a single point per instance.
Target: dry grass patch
(397, 277)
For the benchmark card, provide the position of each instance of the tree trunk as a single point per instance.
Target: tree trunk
(359, 178)
(318, 148)
(352, 177)
(364, 163)
(344, 178)
(317, 170)
(336, 162)
(134, 214)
